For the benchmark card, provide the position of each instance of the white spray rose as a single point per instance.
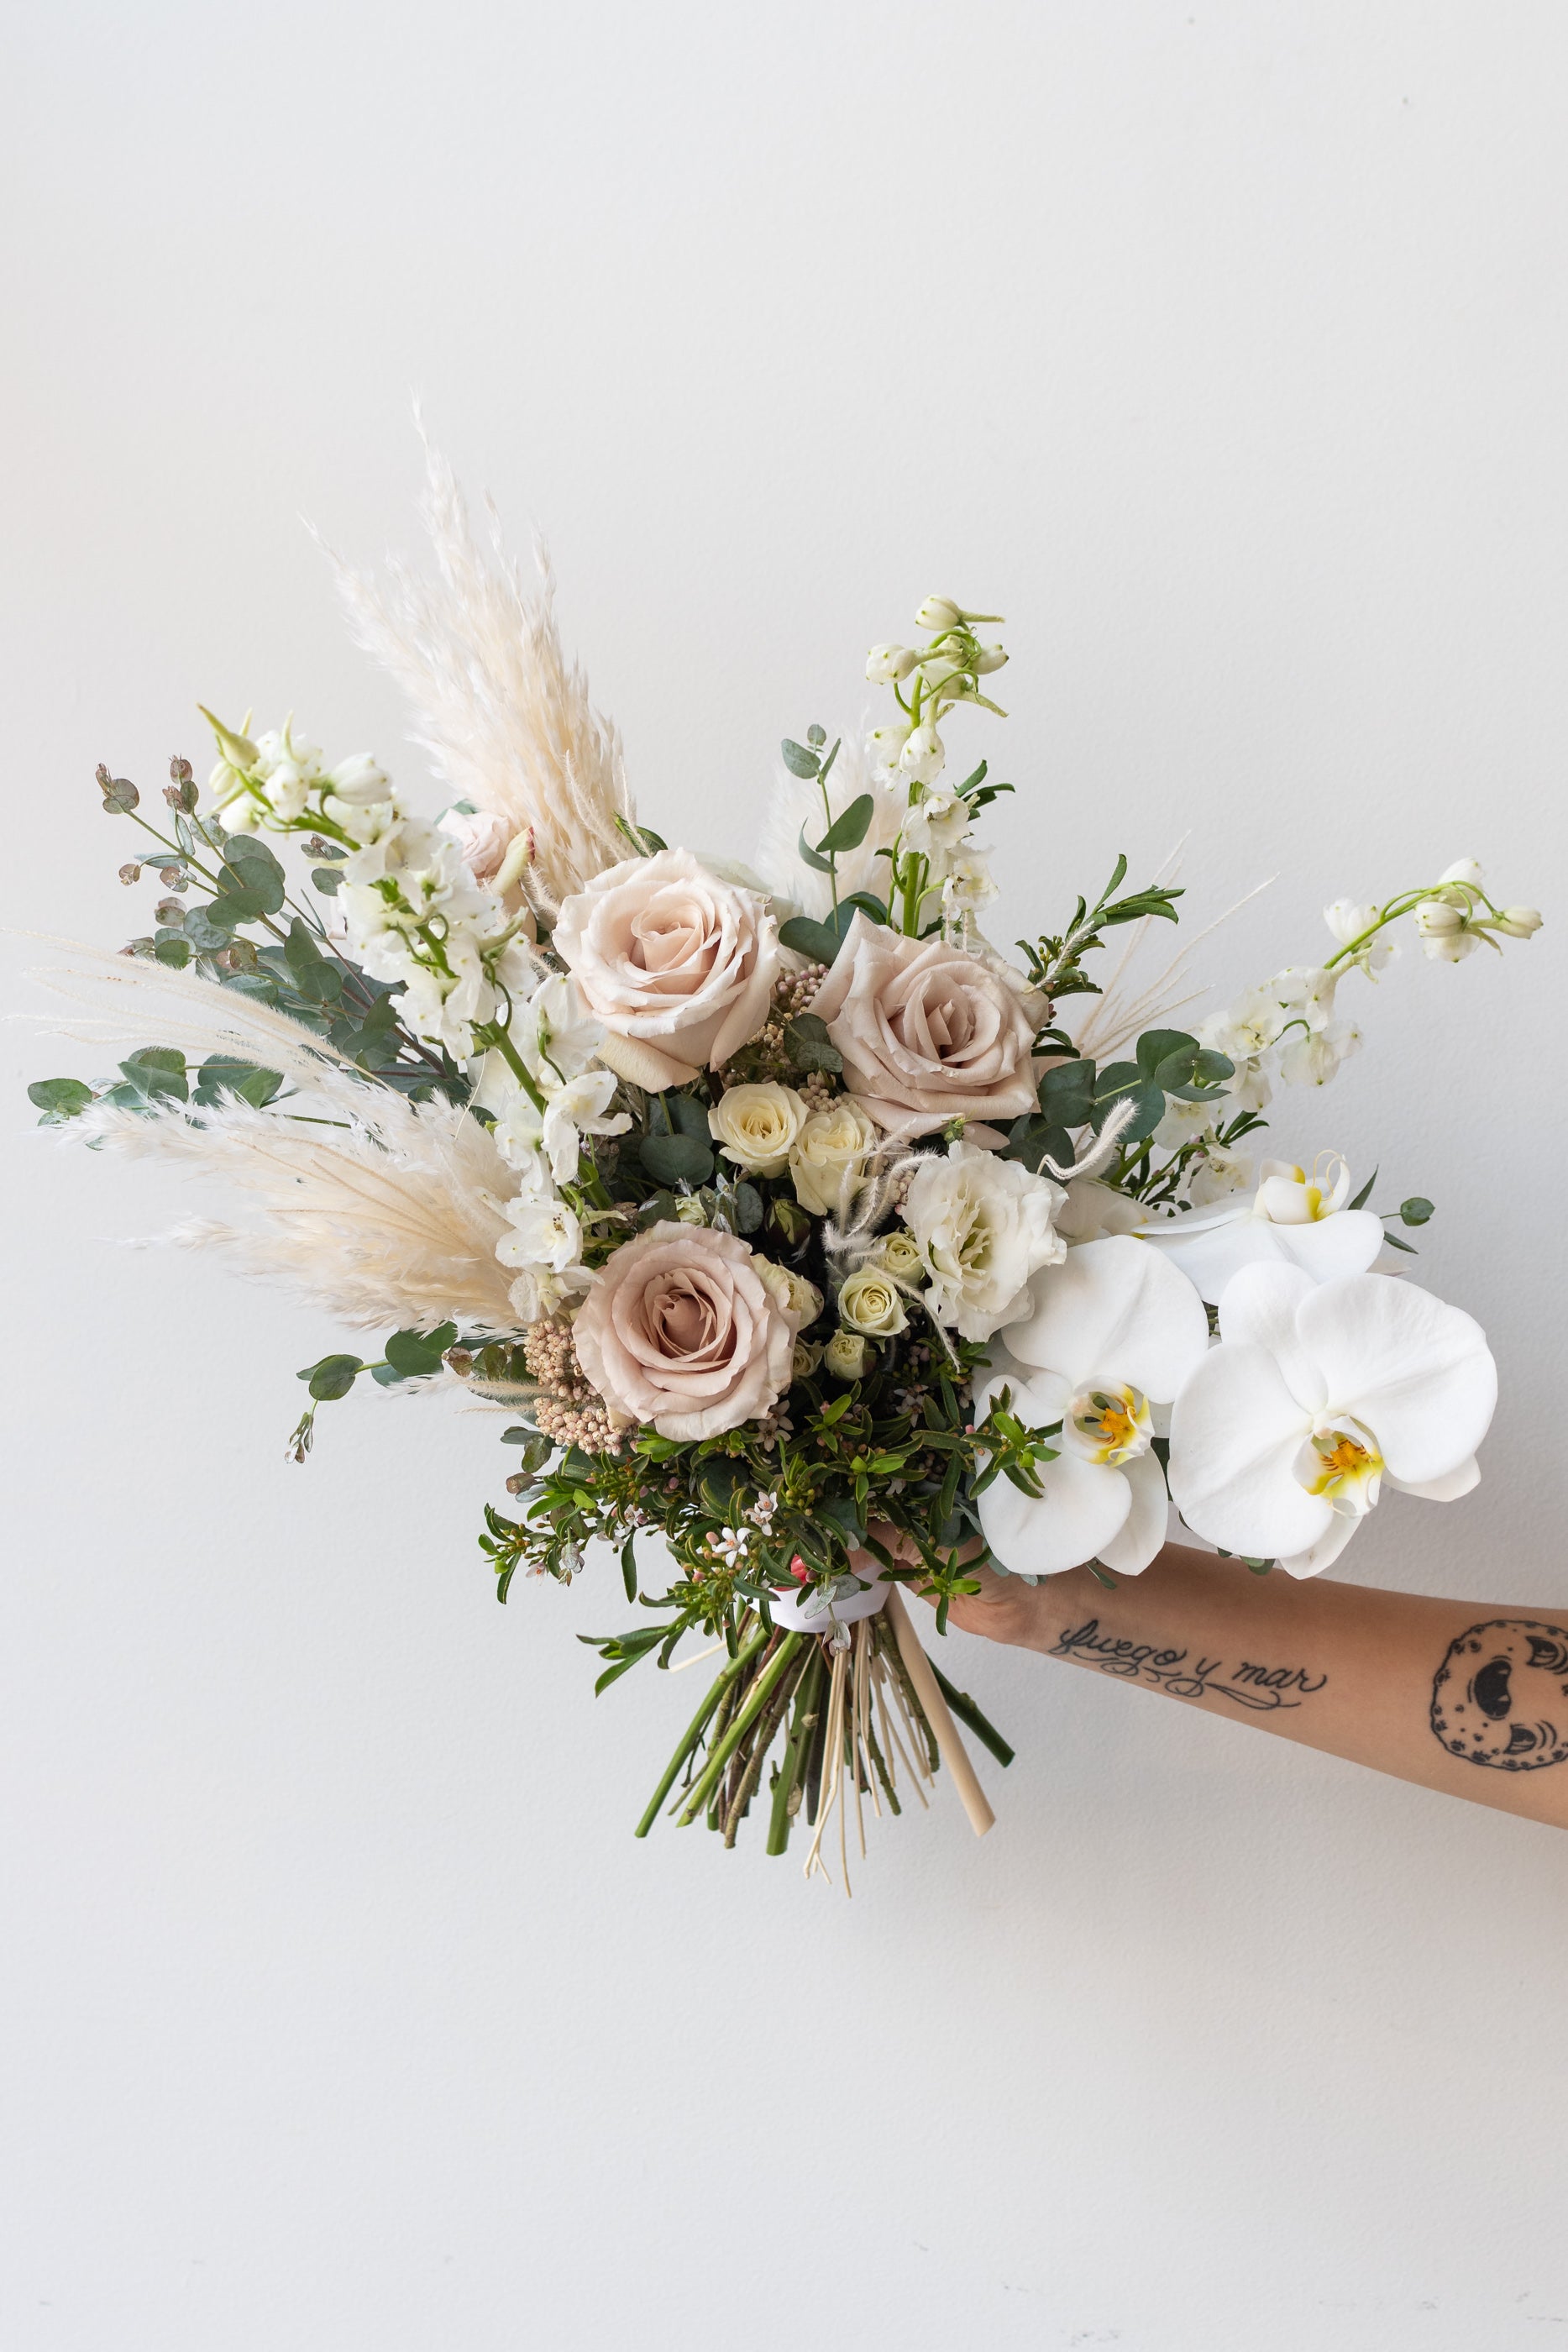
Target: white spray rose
(869, 1302)
(847, 1356)
(898, 1254)
(828, 1155)
(984, 1227)
(758, 1126)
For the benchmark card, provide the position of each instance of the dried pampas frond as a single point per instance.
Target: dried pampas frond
(1127, 1007)
(796, 801)
(146, 1004)
(387, 1223)
(503, 714)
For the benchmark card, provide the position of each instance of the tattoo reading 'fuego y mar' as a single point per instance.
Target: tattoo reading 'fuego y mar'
(1501, 1697)
(1264, 1689)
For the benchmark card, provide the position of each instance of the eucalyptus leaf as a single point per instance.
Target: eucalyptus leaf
(676, 1159)
(333, 1377)
(798, 760)
(58, 1098)
(849, 830)
(807, 1044)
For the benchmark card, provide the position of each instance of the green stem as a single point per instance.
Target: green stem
(745, 1717)
(963, 1707)
(801, 1725)
(692, 1733)
(498, 1037)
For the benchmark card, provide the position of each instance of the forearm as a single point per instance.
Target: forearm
(1466, 1697)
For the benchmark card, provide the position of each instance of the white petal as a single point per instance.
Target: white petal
(1129, 1553)
(1416, 1371)
(1446, 1489)
(1261, 1308)
(1084, 1507)
(1114, 1309)
(1345, 1243)
(1236, 1432)
(1325, 1552)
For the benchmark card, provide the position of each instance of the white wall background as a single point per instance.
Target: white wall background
(1221, 346)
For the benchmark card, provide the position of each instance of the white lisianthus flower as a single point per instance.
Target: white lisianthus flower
(1284, 1434)
(983, 1226)
(758, 1127)
(1292, 1219)
(828, 1157)
(1114, 1331)
(922, 758)
(1347, 921)
(870, 1302)
(890, 665)
(1314, 1059)
(847, 1356)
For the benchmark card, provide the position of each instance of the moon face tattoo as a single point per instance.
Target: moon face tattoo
(1501, 1697)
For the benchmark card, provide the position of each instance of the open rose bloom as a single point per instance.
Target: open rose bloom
(804, 1246)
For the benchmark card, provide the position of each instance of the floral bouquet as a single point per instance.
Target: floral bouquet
(799, 1237)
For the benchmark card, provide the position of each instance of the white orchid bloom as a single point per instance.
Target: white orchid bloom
(1292, 1219)
(1283, 1436)
(1115, 1331)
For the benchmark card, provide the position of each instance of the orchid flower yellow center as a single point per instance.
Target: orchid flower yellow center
(1341, 1464)
(1288, 1196)
(1110, 1425)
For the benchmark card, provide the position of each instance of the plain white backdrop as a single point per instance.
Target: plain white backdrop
(1222, 347)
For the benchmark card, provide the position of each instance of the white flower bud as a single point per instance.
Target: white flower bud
(988, 658)
(1463, 869)
(847, 1356)
(286, 791)
(243, 815)
(889, 664)
(938, 613)
(359, 778)
(1438, 917)
(1519, 922)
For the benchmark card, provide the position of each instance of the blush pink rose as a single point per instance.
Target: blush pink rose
(483, 837)
(673, 960)
(682, 1331)
(927, 1032)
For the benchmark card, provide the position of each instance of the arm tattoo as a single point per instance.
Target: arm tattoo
(1264, 1689)
(1501, 1697)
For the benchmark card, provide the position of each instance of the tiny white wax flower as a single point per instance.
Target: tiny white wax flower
(1284, 1434)
(890, 665)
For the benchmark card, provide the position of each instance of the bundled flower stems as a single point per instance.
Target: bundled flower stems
(807, 1246)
